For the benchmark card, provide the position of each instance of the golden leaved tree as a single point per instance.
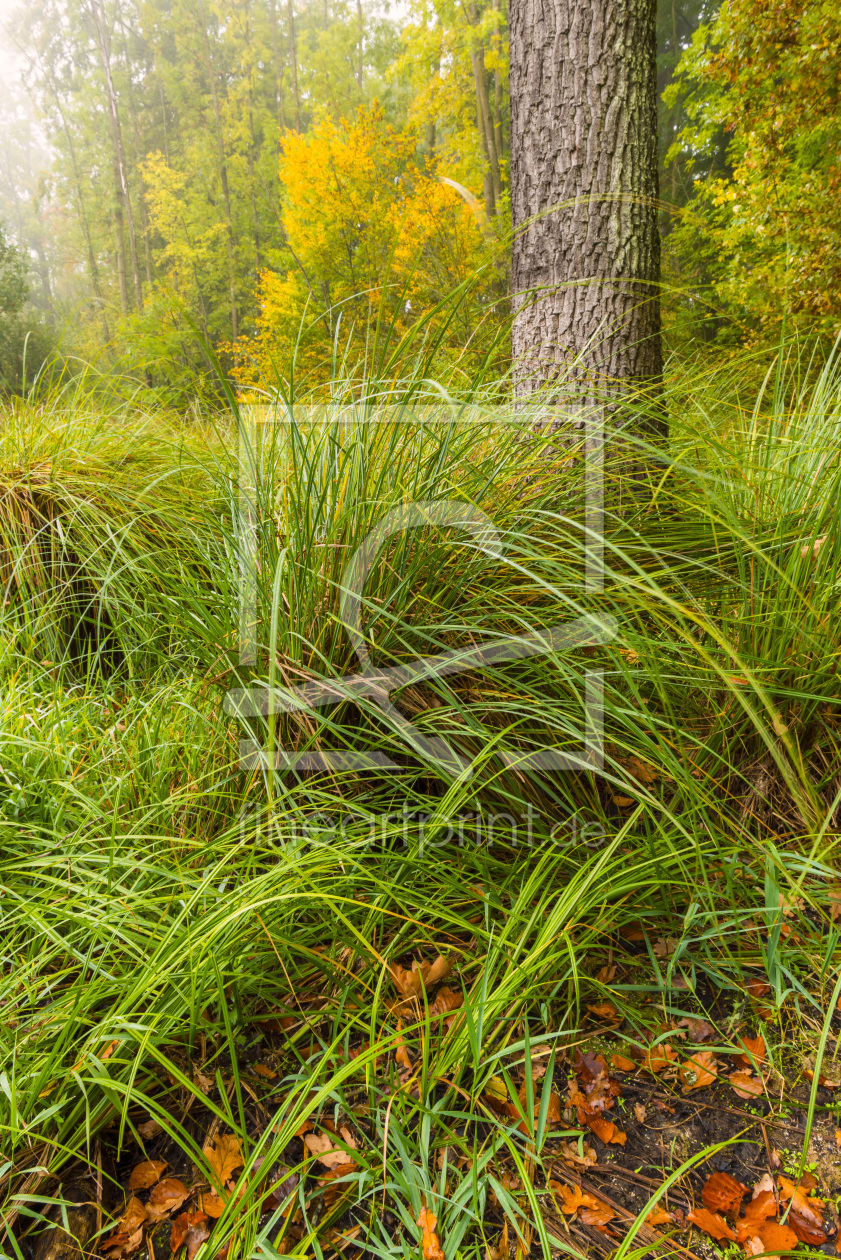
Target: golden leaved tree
(375, 240)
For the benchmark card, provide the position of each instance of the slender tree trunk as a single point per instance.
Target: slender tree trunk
(119, 152)
(230, 240)
(360, 23)
(278, 67)
(120, 240)
(498, 94)
(293, 62)
(584, 127)
(485, 121)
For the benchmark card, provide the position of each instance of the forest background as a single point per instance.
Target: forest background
(280, 175)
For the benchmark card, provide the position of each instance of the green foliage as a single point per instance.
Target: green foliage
(194, 896)
(766, 234)
(25, 342)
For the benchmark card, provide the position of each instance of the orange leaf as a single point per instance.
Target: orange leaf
(430, 1246)
(321, 1145)
(723, 1193)
(659, 1216)
(224, 1155)
(146, 1174)
(606, 1130)
(167, 1196)
(746, 1084)
(755, 1214)
(189, 1227)
(711, 1223)
(597, 1217)
(776, 1237)
(262, 1070)
(128, 1235)
(447, 1000)
(699, 1071)
(753, 1052)
(212, 1205)
(622, 1064)
(606, 1011)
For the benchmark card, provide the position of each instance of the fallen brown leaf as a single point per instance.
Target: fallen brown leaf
(621, 1064)
(723, 1193)
(149, 1129)
(597, 1218)
(197, 1233)
(697, 1029)
(753, 1052)
(606, 1011)
(699, 1071)
(321, 1145)
(755, 1214)
(746, 1084)
(267, 1072)
(568, 1151)
(128, 1235)
(212, 1204)
(711, 1223)
(776, 1237)
(224, 1154)
(447, 1000)
(640, 1112)
(659, 1216)
(167, 1196)
(430, 1246)
(189, 1227)
(146, 1174)
(606, 1130)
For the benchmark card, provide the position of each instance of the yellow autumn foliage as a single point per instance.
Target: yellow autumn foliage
(374, 240)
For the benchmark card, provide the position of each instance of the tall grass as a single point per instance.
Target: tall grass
(161, 901)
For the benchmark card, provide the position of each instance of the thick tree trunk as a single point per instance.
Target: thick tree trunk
(584, 132)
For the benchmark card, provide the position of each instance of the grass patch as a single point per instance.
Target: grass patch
(172, 920)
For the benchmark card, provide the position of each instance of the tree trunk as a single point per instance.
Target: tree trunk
(119, 153)
(584, 127)
(293, 62)
(230, 239)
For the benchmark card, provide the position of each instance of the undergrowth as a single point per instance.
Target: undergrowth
(178, 906)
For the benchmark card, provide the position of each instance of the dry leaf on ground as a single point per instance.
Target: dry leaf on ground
(752, 1052)
(569, 1152)
(447, 1000)
(605, 1130)
(212, 1204)
(760, 1208)
(699, 1071)
(775, 1237)
(621, 1064)
(167, 1196)
(190, 1228)
(321, 1145)
(697, 1029)
(430, 1246)
(746, 1085)
(659, 1216)
(572, 1197)
(711, 1223)
(128, 1235)
(224, 1154)
(149, 1129)
(268, 1073)
(606, 1011)
(410, 980)
(146, 1174)
(723, 1193)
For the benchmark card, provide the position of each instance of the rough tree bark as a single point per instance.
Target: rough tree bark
(584, 130)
